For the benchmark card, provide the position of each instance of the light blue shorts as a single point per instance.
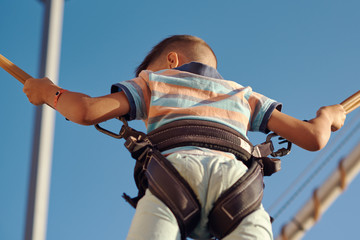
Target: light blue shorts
(209, 173)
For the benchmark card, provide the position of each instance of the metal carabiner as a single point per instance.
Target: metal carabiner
(283, 151)
(112, 134)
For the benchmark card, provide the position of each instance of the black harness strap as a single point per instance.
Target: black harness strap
(168, 185)
(241, 199)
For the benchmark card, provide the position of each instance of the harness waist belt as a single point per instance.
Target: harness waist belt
(201, 133)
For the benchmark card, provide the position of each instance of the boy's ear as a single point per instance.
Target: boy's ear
(172, 60)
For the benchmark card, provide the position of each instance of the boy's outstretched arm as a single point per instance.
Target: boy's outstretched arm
(312, 135)
(77, 107)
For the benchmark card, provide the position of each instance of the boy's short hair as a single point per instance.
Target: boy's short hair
(171, 43)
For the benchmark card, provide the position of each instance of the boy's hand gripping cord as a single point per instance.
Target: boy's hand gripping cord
(22, 76)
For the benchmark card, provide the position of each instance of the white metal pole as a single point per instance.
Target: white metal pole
(323, 197)
(39, 186)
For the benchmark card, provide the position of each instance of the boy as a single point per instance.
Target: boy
(178, 80)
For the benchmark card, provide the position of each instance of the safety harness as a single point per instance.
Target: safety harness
(154, 172)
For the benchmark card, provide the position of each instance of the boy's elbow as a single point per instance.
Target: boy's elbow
(82, 117)
(315, 147)
(318, 142)
(86, 120)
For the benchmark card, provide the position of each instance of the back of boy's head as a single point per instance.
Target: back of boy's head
(192, 47)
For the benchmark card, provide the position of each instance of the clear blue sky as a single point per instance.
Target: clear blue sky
(304, 54)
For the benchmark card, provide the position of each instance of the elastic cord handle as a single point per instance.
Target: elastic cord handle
(352, 102)
(14, 70)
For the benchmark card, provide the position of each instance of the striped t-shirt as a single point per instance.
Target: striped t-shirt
(195, 91)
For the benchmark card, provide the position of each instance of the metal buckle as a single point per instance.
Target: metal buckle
(283, 151)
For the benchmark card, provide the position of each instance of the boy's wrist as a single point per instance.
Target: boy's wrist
(57, 96)
(49, 92)
(324, 114)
